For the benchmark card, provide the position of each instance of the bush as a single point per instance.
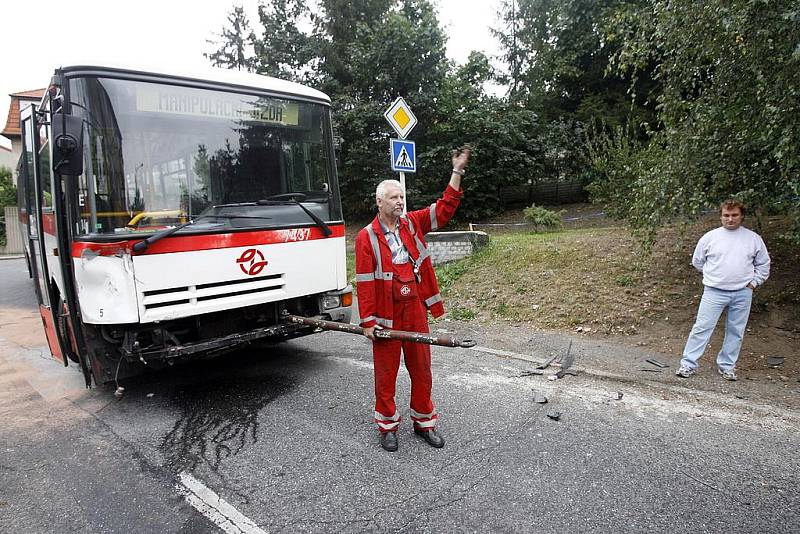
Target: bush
(543, 217)
(8, 197)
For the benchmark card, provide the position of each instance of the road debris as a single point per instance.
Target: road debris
(775, 361)
(555, 416)
(566, 363)
(546, 364)
(539, 398)
(657, 363)
(119, 392)
(532, 372)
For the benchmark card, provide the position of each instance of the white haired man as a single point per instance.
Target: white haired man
(396, 288)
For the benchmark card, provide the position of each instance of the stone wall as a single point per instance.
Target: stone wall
(450, 246)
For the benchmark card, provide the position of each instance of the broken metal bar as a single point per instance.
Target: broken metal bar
(386, 333)
(657, 363)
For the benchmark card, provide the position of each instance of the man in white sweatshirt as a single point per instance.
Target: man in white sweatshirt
(734, 261)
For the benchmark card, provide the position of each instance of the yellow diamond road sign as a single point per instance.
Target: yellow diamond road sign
(400, 117)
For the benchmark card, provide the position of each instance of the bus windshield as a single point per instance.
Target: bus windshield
(156, 155)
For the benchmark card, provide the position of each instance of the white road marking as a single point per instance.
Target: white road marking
(215, 508)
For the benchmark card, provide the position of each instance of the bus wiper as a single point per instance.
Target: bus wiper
(292, 199)
(144, 244)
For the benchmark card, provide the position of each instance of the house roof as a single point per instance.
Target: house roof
(12, 122)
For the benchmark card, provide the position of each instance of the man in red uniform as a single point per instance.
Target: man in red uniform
(396, 286)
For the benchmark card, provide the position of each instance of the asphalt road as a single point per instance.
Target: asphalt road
(283, 434)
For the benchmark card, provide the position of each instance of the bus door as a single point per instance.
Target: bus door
(36, 201)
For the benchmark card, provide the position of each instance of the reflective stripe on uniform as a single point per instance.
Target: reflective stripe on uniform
(387, 423)
(423, 250)
(369, 277)
(389, 426)
(376, 251)
(434, 223)
(434, 299)
(417, 415)
(384, 322)
(425, 424)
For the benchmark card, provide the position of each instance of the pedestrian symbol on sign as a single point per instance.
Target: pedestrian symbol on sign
(403, 160)
(403, 156)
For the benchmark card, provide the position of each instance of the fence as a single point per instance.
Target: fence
(14, 242)
(547, 193)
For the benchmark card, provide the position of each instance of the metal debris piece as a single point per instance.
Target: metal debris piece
(532, 372)
(650, 369)
(539, 398)
(618, 396)
(555, 416)
(119, 392)
(546, 364)
(566, 363)
(653, 361)
(775, 361)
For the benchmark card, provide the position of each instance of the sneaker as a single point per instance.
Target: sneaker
(728, 374)
(684, 372)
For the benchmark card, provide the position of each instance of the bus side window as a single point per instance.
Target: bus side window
(44, 167)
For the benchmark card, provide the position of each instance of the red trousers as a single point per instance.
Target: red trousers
(409, 315)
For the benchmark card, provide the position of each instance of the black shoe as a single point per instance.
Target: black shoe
(431, 437)
(389, 441)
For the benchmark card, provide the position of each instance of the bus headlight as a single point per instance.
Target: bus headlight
(330, 301)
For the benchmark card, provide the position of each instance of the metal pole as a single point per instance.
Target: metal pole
(405, 194)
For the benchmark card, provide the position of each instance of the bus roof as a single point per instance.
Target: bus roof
(196, 75)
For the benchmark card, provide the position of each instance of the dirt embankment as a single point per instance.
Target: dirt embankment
(592, 279)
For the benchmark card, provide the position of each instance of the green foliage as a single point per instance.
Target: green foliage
(462, 313)
(366, 53)
(729, 106)
(624, 280)
(233, 43)
(8, 197)
(543, 217)
(558, 54)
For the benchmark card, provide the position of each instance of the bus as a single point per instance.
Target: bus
(176, 216)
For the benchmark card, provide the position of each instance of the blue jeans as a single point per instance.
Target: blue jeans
(712, 304)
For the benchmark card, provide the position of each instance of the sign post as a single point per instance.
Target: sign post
(403, 153)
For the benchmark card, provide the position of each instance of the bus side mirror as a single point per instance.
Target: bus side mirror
(67, 144)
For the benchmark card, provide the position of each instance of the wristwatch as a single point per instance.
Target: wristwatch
(461, 172)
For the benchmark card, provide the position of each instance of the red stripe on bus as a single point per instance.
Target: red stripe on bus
(191, 243)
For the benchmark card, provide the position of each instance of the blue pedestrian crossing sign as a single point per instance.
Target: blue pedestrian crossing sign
(404, 155)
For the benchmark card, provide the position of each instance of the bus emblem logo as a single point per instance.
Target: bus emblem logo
(251, 261)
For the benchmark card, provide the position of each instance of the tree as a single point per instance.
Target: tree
(730, 109)
(284, 49)
(558, 56)
(234, 43)
(8, 197)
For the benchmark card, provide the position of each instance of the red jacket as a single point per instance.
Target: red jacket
(374, 277)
